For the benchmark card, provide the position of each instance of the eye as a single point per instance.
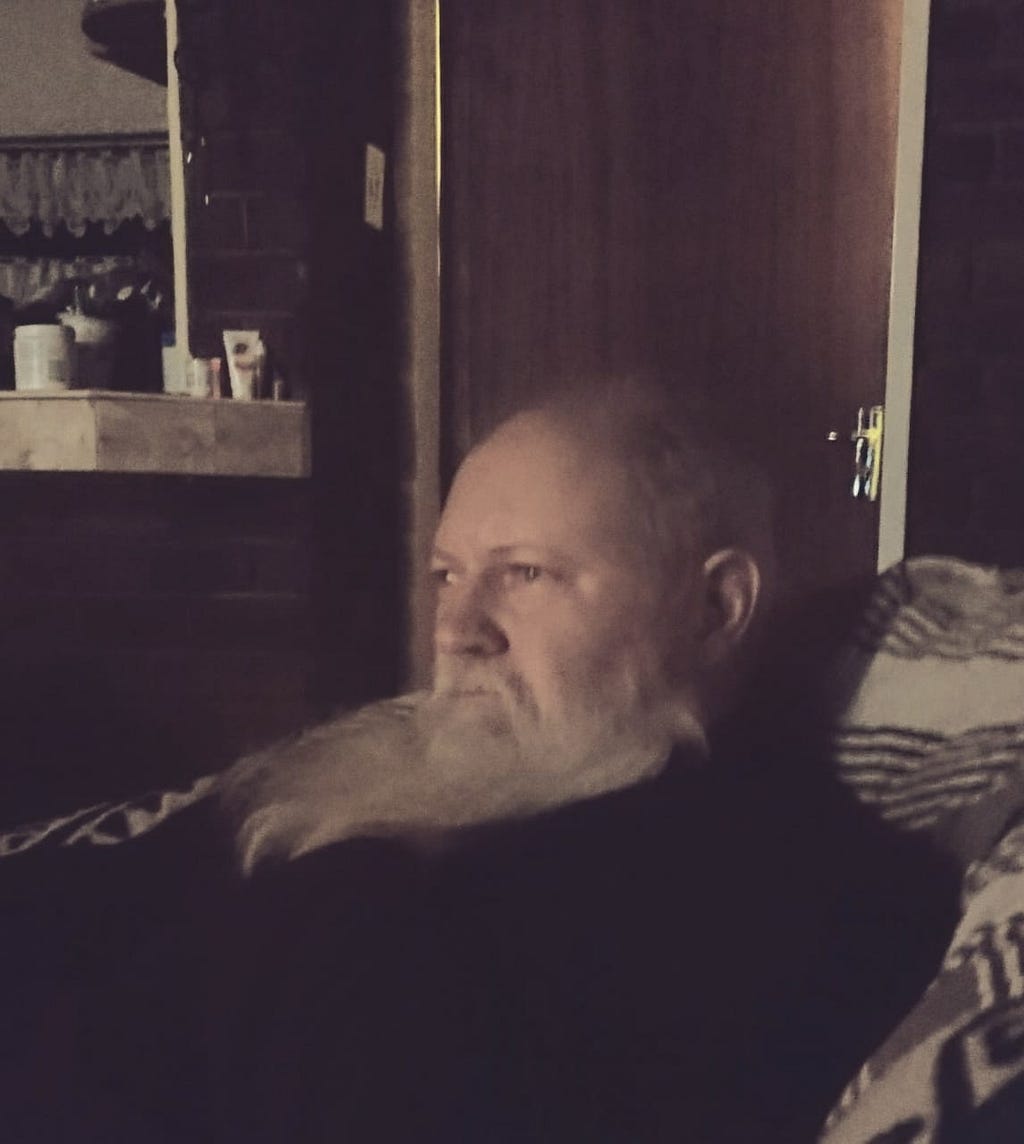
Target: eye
(524, 573)
(442, 576)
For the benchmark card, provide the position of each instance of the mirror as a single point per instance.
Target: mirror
(84, 174)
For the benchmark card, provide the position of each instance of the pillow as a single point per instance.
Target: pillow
(930, 736)
(929, 696)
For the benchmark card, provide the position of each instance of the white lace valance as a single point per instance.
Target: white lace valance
(28, 280)
(81, 185)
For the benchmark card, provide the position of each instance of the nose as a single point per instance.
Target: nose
(464, 625)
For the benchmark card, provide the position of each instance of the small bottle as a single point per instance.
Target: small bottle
(174, 380)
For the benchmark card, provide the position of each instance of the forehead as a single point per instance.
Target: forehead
(534, 483)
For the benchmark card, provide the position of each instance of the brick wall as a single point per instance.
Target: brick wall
(244, 95)
(152, 628)
(966, 492)
(279, 101)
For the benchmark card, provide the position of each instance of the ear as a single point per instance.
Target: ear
(732, 587)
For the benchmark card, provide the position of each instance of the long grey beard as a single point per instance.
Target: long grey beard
(279, 799)
(432, 763)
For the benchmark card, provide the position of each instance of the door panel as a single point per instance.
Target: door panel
(701, 188)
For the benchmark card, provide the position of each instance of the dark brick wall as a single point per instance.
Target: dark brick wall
(246, 86)
(152, 628)
(966, 492)
(278, 103)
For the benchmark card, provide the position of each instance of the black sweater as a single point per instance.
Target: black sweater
(689, 960)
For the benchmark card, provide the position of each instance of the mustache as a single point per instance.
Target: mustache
(455, 680)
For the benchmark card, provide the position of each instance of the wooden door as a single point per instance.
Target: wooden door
(699, 187)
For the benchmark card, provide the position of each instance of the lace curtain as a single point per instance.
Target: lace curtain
(25, 280)
(81, 185)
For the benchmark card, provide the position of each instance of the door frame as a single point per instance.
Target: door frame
(417, 217)
(899, 366)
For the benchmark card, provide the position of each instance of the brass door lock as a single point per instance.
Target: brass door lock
(867, 452)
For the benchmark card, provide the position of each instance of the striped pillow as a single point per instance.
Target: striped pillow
(930, 693)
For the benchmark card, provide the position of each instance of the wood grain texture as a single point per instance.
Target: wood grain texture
(700, 190)
(45, 443)
(80, 431)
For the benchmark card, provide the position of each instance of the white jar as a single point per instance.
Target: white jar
(44, 357)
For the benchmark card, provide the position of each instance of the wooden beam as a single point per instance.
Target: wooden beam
(100, 431)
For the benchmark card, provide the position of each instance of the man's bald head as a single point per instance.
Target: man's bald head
(693, 490)
(619, 481)
(592, 593)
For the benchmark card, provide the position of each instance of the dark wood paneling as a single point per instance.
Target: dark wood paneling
(966, 491)
(702, 190)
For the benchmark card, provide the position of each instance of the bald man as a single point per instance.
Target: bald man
(543, 948)
(596, 575)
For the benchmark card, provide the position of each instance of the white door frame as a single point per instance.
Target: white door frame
(899, 370)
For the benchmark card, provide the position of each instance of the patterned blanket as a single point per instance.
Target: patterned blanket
(105, 823)
(930, 735)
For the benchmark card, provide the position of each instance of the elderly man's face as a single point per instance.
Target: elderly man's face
(549, 618)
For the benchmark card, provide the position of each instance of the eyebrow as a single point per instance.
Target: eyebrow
(504, 551)
(545, 551)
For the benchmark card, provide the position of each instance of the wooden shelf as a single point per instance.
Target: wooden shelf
(84, 431)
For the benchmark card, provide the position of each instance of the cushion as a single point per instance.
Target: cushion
(929, 735)
(929, 695)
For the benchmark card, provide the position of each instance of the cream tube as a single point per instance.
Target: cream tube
(246, 355)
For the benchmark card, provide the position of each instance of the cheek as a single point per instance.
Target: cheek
(548, 650)
(582, 633)
(580, 651)
(631, 652)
